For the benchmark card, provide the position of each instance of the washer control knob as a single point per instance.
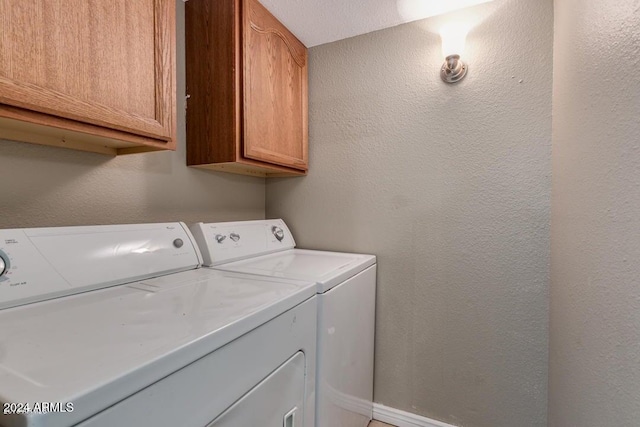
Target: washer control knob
(220, 238)
(278, 232)
(234, 236)
(4, 263)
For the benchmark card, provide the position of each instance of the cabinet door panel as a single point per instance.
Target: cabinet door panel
(275, 90)
(102, 62)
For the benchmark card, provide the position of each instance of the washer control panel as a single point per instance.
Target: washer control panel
(231, 241)
(278, 232)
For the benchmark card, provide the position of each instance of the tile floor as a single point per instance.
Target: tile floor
(379, 424)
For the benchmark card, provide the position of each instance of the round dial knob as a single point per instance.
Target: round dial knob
(4, 263)
(220, 238)
(278, 232)
(234, 236)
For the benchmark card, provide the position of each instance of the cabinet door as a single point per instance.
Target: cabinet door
(275, 90)
(107, 63)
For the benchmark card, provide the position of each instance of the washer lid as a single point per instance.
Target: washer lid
(327, 269)
(96, 348)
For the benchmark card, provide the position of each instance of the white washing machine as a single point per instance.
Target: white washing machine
(346, 286)
(117, 326)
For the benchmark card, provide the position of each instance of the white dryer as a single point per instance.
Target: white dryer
(346, 286)
(117, 326)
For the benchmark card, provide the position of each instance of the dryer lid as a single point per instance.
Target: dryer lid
(327, 269)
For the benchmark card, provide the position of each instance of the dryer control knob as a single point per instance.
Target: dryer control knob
(220, 238)
(278, 232)
(4, 263)
(234, 236)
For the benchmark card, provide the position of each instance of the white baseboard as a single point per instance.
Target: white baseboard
(400, 418)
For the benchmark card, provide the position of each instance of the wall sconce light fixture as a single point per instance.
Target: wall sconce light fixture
(453, 40)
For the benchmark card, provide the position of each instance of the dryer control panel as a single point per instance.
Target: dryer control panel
(43, 263)
(223, 242)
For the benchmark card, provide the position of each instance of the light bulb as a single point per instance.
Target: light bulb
(453, 37)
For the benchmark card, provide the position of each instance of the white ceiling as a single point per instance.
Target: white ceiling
(317, 22)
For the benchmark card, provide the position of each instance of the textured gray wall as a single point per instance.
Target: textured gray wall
(450, 187)
(45, 186)
(595, 281)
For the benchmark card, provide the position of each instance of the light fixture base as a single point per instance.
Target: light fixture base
(453, 70)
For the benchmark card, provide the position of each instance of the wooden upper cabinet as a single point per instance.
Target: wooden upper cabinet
(275, 85)
(92, 75)
(247, 87)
